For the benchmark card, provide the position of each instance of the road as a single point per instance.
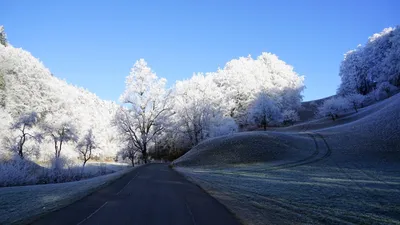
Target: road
(153, 194)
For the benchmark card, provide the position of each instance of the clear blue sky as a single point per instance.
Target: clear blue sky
(94, 44)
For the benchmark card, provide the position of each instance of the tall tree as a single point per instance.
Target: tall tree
(147, 100)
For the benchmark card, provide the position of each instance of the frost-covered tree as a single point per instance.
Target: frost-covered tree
(86, 146)
(376, 62)
(61, 132)
(290, 116)
(200, 110)
(333, 107)
(241, 80)
(356, 100)
(129, 151)
(264, 111)
(23, 129)
(147, 100)
(3, 36)
(24, 76)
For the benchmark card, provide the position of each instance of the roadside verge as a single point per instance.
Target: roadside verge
(24, 204)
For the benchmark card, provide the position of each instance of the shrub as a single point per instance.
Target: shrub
(333, 107)
(17, 171)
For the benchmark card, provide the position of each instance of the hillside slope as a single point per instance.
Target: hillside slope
(320, 172)
(27, 85)
(373, 131)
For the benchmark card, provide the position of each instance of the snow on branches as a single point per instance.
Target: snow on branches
(147, 106)
(366, 67)
(333, 107)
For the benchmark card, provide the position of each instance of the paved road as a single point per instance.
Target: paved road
(150, 195)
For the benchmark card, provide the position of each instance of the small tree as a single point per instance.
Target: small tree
(264, 111)
(333, 107)
(355, 100)
(86, 146)
(23, 126)
(61, 133)
(129, 151)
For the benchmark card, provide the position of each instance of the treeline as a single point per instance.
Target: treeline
(246, 94)
(43, 117)
(369, 73)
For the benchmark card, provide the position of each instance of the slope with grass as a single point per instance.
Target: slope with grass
(318, 172)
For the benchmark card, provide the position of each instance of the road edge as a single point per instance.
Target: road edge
(70, 200)
(191, 180)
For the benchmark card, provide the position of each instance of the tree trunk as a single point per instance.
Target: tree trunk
(264, 122)
(144, 153)
(55, 147)
(21, 146)
(132, 161)
(59, 149)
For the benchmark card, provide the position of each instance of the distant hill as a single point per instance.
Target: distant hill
(309, 108)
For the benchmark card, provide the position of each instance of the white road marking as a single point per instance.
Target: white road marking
(190, 212)
(128, 183)
(92, 214)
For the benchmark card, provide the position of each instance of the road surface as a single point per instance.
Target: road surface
(153, 194)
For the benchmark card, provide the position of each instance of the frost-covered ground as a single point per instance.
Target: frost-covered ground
(338, 173)
(20, 203)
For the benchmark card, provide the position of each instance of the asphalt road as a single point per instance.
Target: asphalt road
(153, 194)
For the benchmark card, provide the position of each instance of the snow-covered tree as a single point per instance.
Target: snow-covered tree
(129, 151)
(29, 86)
(23, 129)
(290, 116)
(333, 107)
(86, 146)
(61, 132)
(264, 111)
(241, 80)
(147, 101)
(378, 61)
(356, 100)
(200, 110)
(3, 36)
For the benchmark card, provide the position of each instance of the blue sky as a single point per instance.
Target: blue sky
(94, 44)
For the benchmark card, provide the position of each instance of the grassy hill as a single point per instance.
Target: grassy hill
(317, 172)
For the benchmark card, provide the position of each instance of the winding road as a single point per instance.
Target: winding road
(152, 194)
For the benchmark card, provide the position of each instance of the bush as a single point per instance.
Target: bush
(17, 171)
